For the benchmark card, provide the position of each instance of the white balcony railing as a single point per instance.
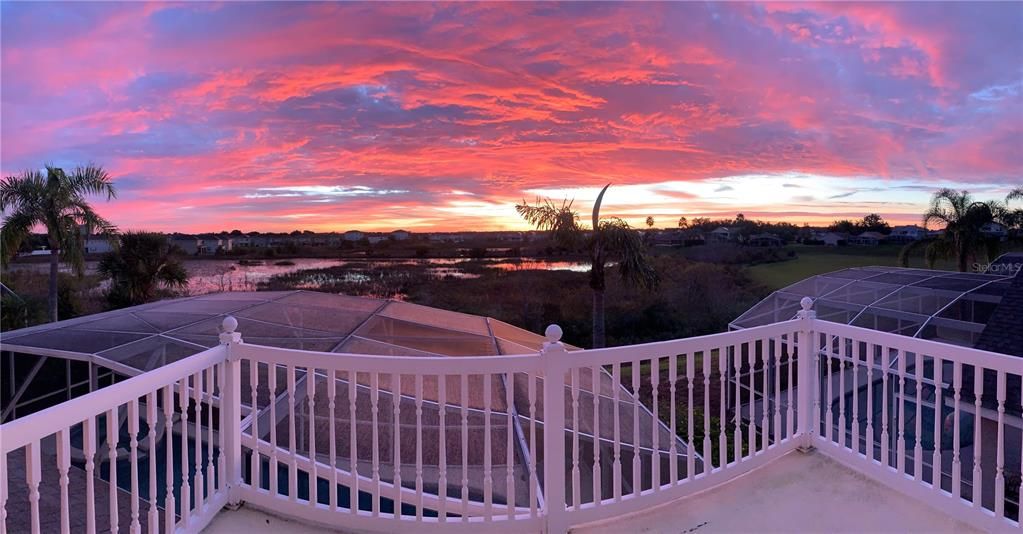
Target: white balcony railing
(386, 444)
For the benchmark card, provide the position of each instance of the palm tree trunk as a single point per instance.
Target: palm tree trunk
(54, 266)
(598, 318)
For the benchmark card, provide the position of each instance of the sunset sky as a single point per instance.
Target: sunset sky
(261, 116)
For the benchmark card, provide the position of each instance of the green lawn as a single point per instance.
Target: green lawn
(812, 260)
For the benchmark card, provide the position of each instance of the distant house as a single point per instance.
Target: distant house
(720, 234)
(867, 239)
(210, 244)
(669, 238)
(354, 235)
(995, 230)
(95, 244)
(907, 233)
(189, 244)
(834, 239)
(765, 240)
(400, 235)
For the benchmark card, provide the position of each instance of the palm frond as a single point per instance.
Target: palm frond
(92, 180)
(623, 244)
(559, 220)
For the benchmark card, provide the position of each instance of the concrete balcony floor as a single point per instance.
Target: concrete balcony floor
(796, 493)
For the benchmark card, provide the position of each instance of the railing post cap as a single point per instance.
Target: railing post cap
(806, 303)
(228, 334)
(553, 333)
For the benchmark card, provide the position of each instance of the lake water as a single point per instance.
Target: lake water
(213, 275)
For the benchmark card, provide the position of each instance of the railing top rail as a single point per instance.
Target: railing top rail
(432, 365)
(680, 346)
(30, 428)
(967, 355)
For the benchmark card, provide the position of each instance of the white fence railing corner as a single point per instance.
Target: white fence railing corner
(538, 442)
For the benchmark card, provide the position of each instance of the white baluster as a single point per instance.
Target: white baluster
(751, 363)
(576, 475)
(655, 452)
(133, 446)
(219, 373)
(595, 378)
(815, 388)
(396, 416)
(939, 403)
(828, 417)
(488, 451)
(256, 461)
(869, 446)
(186, 489)
(533, 479)
(374, 399)
(153, 518)
(790, 415)
(1000, 454)
(672, 401)
(33, 475)
(901, 397)
(353, 494)
(211, 473)
(616, 472)
(332, 408)
(198, 482)
(722, 438)
(842, 347)
(765, 391)
(463, 399)
(957, 472)
(89, 436)
(918, 451)
(776, 405)
(113, 433)
(442, 447)
(310, 383)
(271, 379)
(737, 366)
(509, 402)
(419, 447)
(690, 447)
(707, 442)
(637, 480)
(169, 503)
(857, 358)
(3, 494)
(63, 465)
(978, 388)
(885, 457)
(292, 437)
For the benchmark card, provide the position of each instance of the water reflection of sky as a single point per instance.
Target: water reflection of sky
(214, 275)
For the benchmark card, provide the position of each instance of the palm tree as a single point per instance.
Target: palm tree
(144, 263)
(683, 223)
(963, 240)
(649, 222)
(57, 201)
(611, 240)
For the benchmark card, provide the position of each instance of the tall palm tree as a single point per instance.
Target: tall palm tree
(144, 264)
(963, 240)
(610, 240)
(56, 201)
